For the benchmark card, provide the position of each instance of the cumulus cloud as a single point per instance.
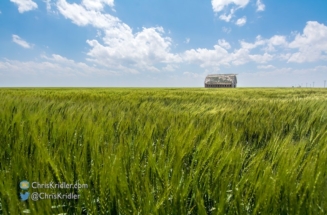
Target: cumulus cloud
(25, 5)
(258, 42)
(241, 21)
(16, 39)
(81, 16)
(258, 51)
(141, 50)
(223, 43)
(243, 56)
(228, 17)
(277, 40)
(120, 48)
(258, 58)
(311, 44)
(260, 6)
(268, 45)
(219, 5)
(97, 4)
(120, 45)
(219, 56)
(207, 57)
(225, 17)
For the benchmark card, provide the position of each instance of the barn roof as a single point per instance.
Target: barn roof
(220, 79)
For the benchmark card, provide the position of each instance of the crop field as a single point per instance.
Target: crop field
(165, 151)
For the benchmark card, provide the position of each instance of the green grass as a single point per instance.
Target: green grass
(166, 151)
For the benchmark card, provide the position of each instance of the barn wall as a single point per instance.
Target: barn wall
(219, 86)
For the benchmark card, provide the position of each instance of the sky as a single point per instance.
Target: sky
(162, 43)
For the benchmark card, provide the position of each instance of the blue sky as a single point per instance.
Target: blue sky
(162, 43)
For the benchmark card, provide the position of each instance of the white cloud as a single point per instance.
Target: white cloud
(268, 45)
(277, 40)
(222, 5)
(261, 58)
(141, 50)
(260, 6)
(25, 5)
(120, 46)
(97, 4)
(16, 39)
(223, 43)
(311, 44)
(187, 40)
(81, 16)
(241, 21)
(206, 57)
(243, 56)
(228, 17)
(219, 56)
(219, 5)
(225, 17)
(99, 33)
(48, 5)
(170, 67)
(259, 42)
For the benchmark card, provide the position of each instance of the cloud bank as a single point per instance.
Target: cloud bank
(122, 49)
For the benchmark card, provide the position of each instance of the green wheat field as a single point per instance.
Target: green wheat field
(165, 151)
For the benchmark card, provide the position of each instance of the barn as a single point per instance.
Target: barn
(220, 81)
